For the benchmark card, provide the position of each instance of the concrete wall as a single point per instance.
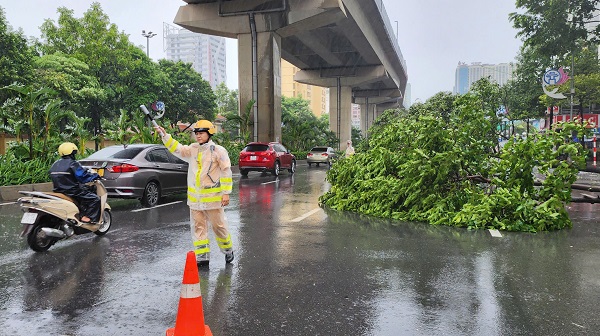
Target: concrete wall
(11, 193)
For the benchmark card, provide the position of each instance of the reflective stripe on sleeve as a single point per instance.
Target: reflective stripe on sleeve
(226, 183)
(171, 145)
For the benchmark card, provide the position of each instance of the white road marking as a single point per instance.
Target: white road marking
(495, 233)
(8, 203)
(270, 182)
(154, 207)
(312, 212)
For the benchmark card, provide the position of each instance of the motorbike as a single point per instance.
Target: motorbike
(50, 216)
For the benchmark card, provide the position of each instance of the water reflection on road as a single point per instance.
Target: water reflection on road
(302, 270)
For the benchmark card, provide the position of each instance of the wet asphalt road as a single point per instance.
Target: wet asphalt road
(300, 270)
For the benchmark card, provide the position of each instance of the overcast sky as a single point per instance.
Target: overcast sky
(434, 35)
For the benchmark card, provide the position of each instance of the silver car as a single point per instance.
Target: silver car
(321, 154)
(143, 171)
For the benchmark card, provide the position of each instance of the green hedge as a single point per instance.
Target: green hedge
(14, 171)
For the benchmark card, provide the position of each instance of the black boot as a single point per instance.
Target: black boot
(229, 257)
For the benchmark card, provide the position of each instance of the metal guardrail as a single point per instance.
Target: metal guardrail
(390, 32)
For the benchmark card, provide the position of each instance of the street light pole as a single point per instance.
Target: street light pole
(148, 36)
(572, 81)
(571, 18)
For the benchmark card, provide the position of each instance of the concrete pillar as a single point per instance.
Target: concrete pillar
(345, 117)
(365, 117)
(269, 83)
(371, 115)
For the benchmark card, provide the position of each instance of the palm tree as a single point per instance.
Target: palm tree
(29, 108)
(241, 122)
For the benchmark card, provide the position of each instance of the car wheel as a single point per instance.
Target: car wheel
(106, 222)
(244, 172)
(151, 194)
(293, 167)
(275, 171)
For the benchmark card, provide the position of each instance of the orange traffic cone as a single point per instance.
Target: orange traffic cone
(190, 315)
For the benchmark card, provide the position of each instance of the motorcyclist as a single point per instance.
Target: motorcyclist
(68, 177)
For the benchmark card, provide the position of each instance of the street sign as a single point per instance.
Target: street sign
(554, 77)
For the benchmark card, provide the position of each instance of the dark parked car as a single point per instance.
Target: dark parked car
(266, 157)
(321, 154)
(143, 171)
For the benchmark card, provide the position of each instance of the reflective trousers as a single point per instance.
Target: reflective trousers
(199, 228)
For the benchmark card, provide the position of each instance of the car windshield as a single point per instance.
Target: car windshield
(256, 148)
(319, 149)
(117, 152)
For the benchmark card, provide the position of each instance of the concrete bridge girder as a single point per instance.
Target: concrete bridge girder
(350, 76)
(363, 13)
(204, 18)
(340, 44)
(310, 20)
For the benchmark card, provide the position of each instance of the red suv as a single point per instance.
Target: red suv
(266, 157)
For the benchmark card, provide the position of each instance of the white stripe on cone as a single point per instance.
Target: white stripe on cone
(190, 291)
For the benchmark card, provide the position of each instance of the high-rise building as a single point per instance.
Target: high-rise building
(316, 95)
(466, 75)
(407, 101)
(461, 79)
(207, 53)
(355, 117)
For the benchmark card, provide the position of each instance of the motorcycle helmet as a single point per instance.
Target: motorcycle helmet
(67, 148)
(205, 126)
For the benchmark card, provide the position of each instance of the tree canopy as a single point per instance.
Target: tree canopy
(301, 129)
(188, 97)
(16, 58)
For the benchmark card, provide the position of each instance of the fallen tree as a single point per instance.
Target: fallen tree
(439, 163)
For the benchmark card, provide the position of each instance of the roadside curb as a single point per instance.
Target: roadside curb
(11, 193)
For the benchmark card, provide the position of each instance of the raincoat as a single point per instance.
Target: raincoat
(209, 172)
(208, 179)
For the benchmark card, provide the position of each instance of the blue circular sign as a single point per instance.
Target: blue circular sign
(552, 77)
